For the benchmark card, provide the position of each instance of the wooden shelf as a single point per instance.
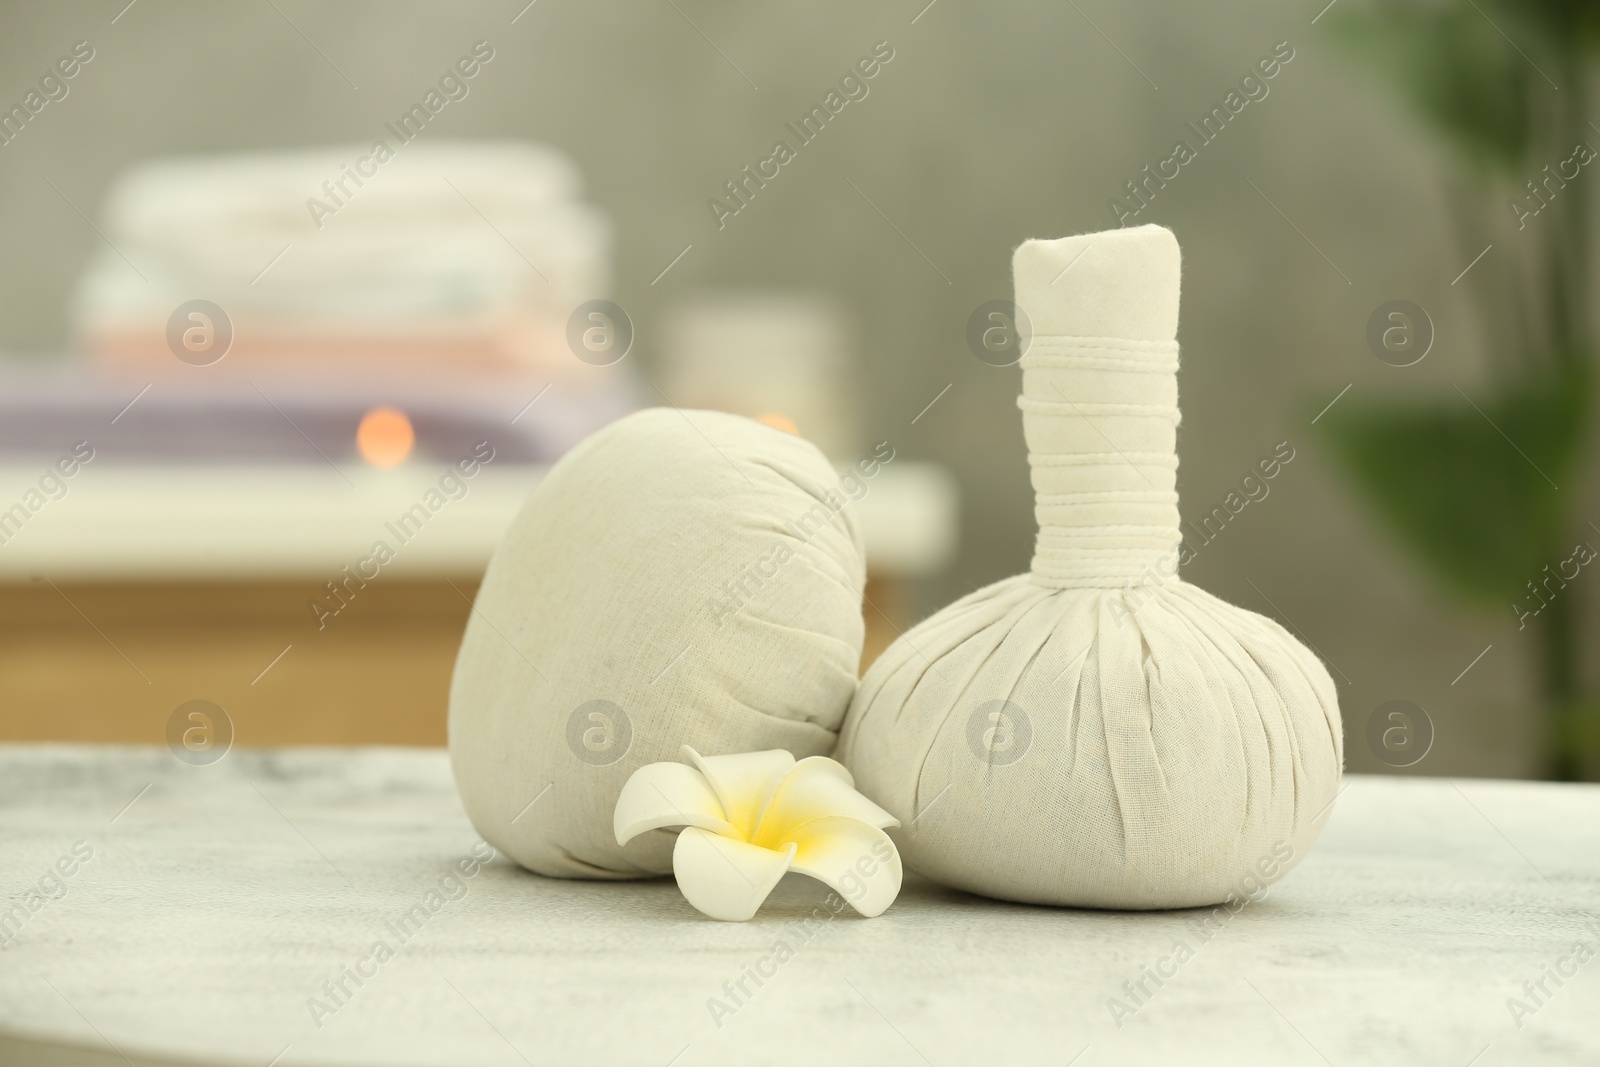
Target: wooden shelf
(146, 587)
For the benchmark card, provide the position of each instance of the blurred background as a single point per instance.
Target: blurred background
(242, 342)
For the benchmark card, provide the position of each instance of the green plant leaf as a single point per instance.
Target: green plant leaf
(1454, 70)
(1571, 22)
(1470, 492)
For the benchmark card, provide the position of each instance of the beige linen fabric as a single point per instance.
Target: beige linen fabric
(1098, 732)
(678, 578)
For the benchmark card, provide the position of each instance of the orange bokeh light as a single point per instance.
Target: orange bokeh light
(779, 422)
(385, 437)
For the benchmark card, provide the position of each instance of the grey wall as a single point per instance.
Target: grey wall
(994, 122)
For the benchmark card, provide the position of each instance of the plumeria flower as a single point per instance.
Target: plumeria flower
(750, 818)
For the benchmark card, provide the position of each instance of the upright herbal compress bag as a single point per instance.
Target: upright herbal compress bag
(1098, 732)
(679, 578)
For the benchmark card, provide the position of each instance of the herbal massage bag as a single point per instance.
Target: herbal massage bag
(1098, 732)
(679, 578)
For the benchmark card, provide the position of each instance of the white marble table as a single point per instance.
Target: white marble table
(218, 901)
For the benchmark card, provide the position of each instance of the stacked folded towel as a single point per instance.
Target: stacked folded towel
(459, 257)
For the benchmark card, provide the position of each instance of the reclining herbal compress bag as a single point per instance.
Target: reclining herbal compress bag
(667, 584)
(1098, 732)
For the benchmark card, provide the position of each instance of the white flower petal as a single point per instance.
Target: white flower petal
(743, 782)
(858, 861)
(818, 764)
(817, 787)
(667, 794)
(724, 878)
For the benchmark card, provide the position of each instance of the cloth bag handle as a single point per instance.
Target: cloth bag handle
(1100, 405)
